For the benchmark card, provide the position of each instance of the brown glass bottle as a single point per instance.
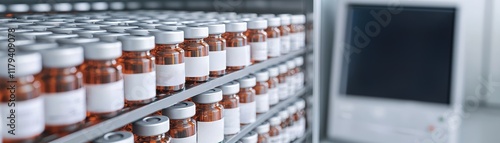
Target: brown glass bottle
(273, 85)
(261, 91)
(257, 39)
(263, 133)
(182, 125)
(21, 92)
(284, 116)
(139, 72)
(275, 130)
(292, 112)
(273, 37)
(283, 81)
(247, 100)
(169, 60)
(196, 54)
(285, 34)
(230, 101)
(217, 49)
(209, 116)
(237, 49)
(156, 128)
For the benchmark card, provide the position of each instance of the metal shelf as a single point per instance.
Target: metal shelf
(264, 117)
(97, 130)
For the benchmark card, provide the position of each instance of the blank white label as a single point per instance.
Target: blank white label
(140, 86)
(262, 101)
(211, 132)
(238, 56)
(294, 41)
(273, 47)
(107, 97)
(301, 39)
(231, 120)
(299, 80)
(248, 112)
(190, 139)
(291, 85)
(284, 136)
(275, 139)
(273, 96)
(302, 127)
(28, 118)
(283, 91)
(259, 50)
(197, 66)
(217, 60)
(285, 44)
(64, 108)
(170, 75)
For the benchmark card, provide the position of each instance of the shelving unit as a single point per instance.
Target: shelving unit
(96, 130)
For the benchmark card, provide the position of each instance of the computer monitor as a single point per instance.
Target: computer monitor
(399, 70)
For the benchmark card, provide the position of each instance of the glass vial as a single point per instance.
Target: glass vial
(248, 106)
(237, 49)
(261, 91)
(297, 30)
(116, 137)
(299, 74)
(292, 112)
(152, 129)
(273, 37)
(285, 34)
(217, 49)
(251, 137)
(103, 80)
(231, 101)
(273, 85)
(275, 130)
(182, 124)
(169, 60)
(282, 79)
(21, 103)
(139, 73)
(209, 116)
(62, 88)
(257, 39)
(290, 79)
(284, 116)
(301, 123)
(263, 133)
(196, 54)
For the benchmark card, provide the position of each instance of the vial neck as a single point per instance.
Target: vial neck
(181, 121)
(60, 71)
(19, 80)
(215, 36)
(136, 53)
(101, 62)
(160, 137)
(234, 34)
(167, 46)
(246, 89)
(193, 40)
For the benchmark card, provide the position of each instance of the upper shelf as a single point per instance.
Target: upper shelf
(96, 130)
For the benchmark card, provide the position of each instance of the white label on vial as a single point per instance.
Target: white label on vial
(262, 101)
(170, 75)
(291, 85)
(294, 41)
(210, 132)
(217, 60)
(248, 112)
(273, 47)
(302, 39)
(283, 91)
(238, 56)
(26, 120)
(64, 108)
(197, 66)
(190, 139)
(107, 97)
(285, 44)
(275, 139)
(299, 80)
(285, 137)
(259, 50)
(273, 96)
(302, 127)
(231, 120)
(140, 86)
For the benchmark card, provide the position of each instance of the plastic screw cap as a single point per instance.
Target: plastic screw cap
(151, 126)
(230, 88)
(257, 24)
(72, 55)
(291, 64)
(273, 71)
(261, 76)
(102, 50)
(283, 68)
(274, 21)
(116, 137)
(216, 28)
(247, 81)
(299, 61)
(181, 110)
(54, 37)
(137, 42)
(236, 27)
(263, 128)
(169, 36)
(276, 120)
(210, 96)
(195, 32)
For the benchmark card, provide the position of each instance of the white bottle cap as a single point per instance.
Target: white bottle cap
(298, 19)
(290, 64)
(195, 32)
(35, 27)
(285, 19)
(110, 37)
(300, 104)
(88, 33)
(291, 109)
(14, 24)
(72, 55)
(76, 41)
(181, 110)
(151, 126)
(248, 15)
(90, 21)
(53, 37)
(263, 128)
(93, 26)
(216, 28)
(251, 137)
(273, 71)
(169, 36)
(118, 29)
(299, 61)
(248, 81)
(274, 22)
(36, 47)
(210, 96)
(236, 27)
(4, 44)
(137, 42)
(31, 34)
(262, 76)
(27, 63)
(284, 115)
(283, 68)
(149, 25)
(72, 24)
(267, 15)
(53, 23)
(64, 30)
(230, 88)
(109, 22)
(257, 24)
(116, 137)
(274, 121)
(102, 50)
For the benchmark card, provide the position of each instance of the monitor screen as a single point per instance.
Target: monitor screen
(399, 54)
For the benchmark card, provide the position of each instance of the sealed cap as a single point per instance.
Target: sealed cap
(93, 26)
(168, 27)
(257, 24)
(36, 27)
(273, 21)
(284, 115)
(290, 64)
(32, 34)
(230, 88)
(195, 32)
(119, 29)
(102, 50)
(37, 46)
(275, 121)
(299, 61)
(91, 21)
(291, 109)
(73, 24)
(63, 56)
(88, 33)
(169, 36)
(53, 23)
(273, 71)
(236, 27)
(27, 63)
(116, 137)
(181, 110)
(53, 37)
(140, 31)
(248, 15)
(216, 28)
(285, 19)
(4, 32)
(4, 44)
(263, 128)
(210, 96)
(251, 137)
(137, 42)
(110, 37)
(76, 40)
(247, 81)
(283, 68)
(109, 22)
(267, 15)
(300, 104)
(64, 30)
(148, 25)
(14, 24)
(298, 19)
(261, 76)
(151, 126)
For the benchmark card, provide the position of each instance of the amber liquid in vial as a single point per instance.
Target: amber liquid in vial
(274, 131)
(261, 88)
(136, 62)
(273, 32)
(230, 101)
(162, 138)
(195, 48)
(256, 35)
(263, 138)
(216, 43)
(208, 112)
(168, 54)
(235, 39)
(247, 95)
(56, 80)
(182, 128)
(273, 83)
